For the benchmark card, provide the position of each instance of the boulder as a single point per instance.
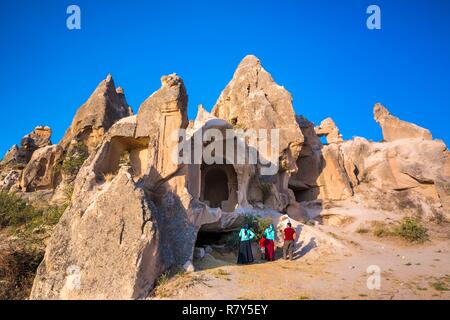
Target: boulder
(110, 250)
(39, 173)
(9, 179)
(38, 138)
(395, 129)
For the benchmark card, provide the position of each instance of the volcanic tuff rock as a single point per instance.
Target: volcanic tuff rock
(328, 129)
(38, 138)
(40, 170)
(103, 108)
(395, 129)
(135, 213)
(253, 100)
(11, 155)
(146, 229)
(17, 158)
(408, 175)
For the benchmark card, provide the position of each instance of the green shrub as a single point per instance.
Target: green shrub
(412, 230)
(125, 158)
(256, 223)
(381, 229)
(14, 210)
(74, 159)
(17, 213)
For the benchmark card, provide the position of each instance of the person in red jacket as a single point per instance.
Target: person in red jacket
(289, 240)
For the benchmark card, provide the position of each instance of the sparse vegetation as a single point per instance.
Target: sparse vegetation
(222, 272)
(362, 230)
(74, 159)
(17, 271)
(30, 225)
(409, 228)
(108, 177)
(14, 211)
(381, 229)
(440, 285)
(68, 192)
(124, 158)
(24, 218)
(257, 225)
(171, 282)
(412, 230)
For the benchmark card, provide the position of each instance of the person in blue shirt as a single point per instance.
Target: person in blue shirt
(269, 244)
(245, 255)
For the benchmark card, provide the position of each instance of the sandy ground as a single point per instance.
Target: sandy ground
(408, 271)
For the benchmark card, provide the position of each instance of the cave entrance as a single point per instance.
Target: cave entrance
(220, 245)
(212, 238)
(219, 186)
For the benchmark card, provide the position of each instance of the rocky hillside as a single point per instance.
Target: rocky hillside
(131, 214)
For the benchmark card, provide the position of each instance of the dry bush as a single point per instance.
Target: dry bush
(17, 271)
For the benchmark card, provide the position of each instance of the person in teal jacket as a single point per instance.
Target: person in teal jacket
(269, 244)
(245, 255)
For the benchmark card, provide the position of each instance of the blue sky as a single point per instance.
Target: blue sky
(321, 51)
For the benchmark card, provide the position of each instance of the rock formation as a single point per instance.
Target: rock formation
(133, 164)
(104, 107)
(40, 170)
(252, 99)
(11, 155)
(17, 158)
(140, 228)
(395, 129)
(328, 129)
(136, 213)
(406, 175)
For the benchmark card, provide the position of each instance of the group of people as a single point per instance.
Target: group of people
(267, 244)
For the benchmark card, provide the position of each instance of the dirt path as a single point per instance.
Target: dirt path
(406, 272)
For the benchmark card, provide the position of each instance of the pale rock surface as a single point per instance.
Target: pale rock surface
(108, 251)
(40, 171)
(252, 100)
(125, 228)
(11, 155)
(104, 107)
(394, 129)
(38, 138)
(328, 129)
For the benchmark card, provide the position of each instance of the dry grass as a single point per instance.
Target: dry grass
(441, 284)
(221, 274)
(169, 286)
(362, 230)
(108, 177)
(17, 271)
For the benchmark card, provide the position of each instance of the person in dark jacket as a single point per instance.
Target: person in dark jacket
(245, 255)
